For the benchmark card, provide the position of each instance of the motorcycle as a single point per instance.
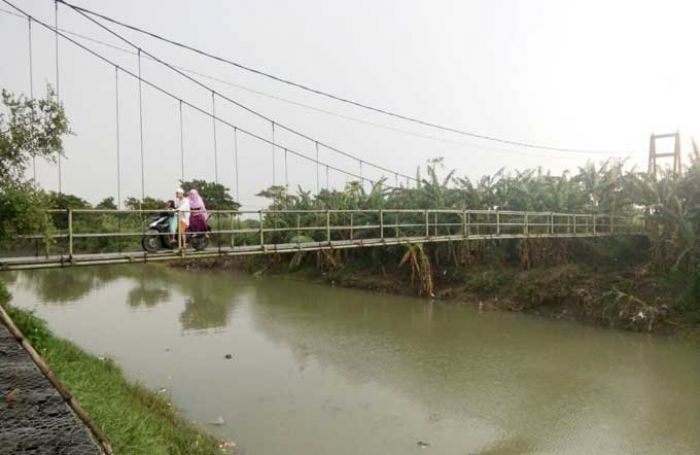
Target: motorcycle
(158, 235)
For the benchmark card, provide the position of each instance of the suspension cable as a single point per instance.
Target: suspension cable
(213, 124)
(313, 108)
(182, 147)
(209, 88)
(235, 161)
(273, 153)
(318, 180)
(58, 92)
(116, 93)
(31, 96)
(173, 96)
(330, 95)
(143, 174)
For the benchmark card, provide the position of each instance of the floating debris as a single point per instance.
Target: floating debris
(228, 356)
(423, 444)
(228, 447)
(218, 421)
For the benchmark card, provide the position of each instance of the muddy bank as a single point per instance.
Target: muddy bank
(633, 298)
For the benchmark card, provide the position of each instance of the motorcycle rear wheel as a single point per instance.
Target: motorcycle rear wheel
(199, 242)
(152, 241)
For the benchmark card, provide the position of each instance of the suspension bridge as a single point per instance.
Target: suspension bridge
(238, 233)
(92, 236)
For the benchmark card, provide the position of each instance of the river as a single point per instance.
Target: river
(321, 370)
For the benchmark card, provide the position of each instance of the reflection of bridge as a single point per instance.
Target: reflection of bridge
(87, 237)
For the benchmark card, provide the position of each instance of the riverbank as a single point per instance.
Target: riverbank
(137, 420)
(629, 296)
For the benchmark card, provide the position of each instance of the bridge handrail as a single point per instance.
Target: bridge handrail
(232, 229)
(322, 210)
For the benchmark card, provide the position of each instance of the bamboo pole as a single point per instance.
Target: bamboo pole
(72, 403)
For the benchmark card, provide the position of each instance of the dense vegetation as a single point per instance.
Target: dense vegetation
(635, 282)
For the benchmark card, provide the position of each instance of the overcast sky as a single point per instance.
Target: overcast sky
(600, 75)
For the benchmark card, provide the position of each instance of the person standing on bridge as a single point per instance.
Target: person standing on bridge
(182, 206)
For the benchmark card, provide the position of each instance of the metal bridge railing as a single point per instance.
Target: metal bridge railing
(115, 235)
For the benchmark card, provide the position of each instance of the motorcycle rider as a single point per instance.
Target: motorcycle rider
(199, 215)
(172, 219)
(182, 207)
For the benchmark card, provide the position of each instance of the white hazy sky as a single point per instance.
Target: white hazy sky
(589, 74)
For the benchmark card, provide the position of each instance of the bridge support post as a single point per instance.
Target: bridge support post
(381, 224)
(498, 223)
(70, 235)
(612, 224)
(593, 224)
(468, 226)
(262, 231)
(328, 226)
(427, 225)
(396, 227)
(464, 224)
(551, 223)
(526, 227)
(233, 228)
(574, 221)
(352, 225)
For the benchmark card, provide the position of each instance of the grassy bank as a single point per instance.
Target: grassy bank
(136, 420)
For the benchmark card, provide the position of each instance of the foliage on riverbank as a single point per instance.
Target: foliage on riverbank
(136, 420)
(648, 283)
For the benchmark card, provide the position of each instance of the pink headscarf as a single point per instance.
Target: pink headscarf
(197, 203)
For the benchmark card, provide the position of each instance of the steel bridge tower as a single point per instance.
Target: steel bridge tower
(676, 154)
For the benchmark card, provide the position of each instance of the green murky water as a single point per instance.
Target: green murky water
(321, 370)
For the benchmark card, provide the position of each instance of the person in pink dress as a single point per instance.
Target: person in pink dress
(198, 212)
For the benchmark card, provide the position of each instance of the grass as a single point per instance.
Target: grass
(137, 420)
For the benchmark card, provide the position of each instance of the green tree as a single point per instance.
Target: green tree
(106, 204)
(216, 196)
(23, 212)
(28, 128)
(149, 203)
(66, 201)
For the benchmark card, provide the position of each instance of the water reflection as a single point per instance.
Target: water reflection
(56, 286)
(209, 298)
